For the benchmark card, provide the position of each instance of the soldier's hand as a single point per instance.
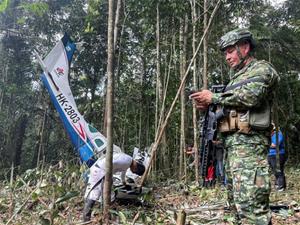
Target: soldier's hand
(202, 99)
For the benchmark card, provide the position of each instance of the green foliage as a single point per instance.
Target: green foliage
(51, 188)
(123, 218)
(3, 5)
(67, 196)
(37, 8)
(29, 25)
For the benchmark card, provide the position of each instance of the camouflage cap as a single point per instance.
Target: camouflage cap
(235, 36)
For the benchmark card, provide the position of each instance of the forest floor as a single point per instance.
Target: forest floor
(55, 196)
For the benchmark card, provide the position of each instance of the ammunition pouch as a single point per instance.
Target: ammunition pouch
(260, 118)
(235, 122)
(245, 121)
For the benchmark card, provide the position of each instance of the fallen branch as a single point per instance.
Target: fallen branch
(135, 218)
(84, 223)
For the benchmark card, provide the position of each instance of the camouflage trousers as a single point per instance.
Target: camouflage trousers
(248, 182)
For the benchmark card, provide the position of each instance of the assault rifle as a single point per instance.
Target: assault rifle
(208, 132)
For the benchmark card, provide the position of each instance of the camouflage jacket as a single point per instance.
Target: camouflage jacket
(250, 95)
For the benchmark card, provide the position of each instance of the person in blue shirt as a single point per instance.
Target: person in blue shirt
(280, 182)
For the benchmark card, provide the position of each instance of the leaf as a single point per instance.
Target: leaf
(114, 212)
(21, 20)
(122, 217)
(37, 8)
(293, 203)
(44, 184)
(34, 196)
(3, 5)
(148, 219)
(229, 218)
(67, 196)
(284, 213)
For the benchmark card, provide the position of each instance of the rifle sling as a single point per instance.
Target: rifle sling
(243, 82)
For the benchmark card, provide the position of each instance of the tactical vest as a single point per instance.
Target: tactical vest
(245, 121)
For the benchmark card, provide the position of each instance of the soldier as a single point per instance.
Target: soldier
(245, 127)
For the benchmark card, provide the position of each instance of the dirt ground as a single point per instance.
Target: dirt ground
(166, 201)
(163, 204)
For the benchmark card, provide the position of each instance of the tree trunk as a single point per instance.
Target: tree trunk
(166, 153)
(41, 135)
(158, 70)
(141, 132)
(109, 106)
(182, 45)
(160, 92)
(205, 43)
(115, 36)
(18, 137)
(2, 90)
(185, 40)
(195, 86)
(117, 22)
(105, 116)
(40, 141)
(181, 148)
(147, 128)
(124, 129)
(118, 40)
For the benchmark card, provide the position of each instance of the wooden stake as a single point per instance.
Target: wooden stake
(181, 218)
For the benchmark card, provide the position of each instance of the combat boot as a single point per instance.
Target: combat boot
(87, 210)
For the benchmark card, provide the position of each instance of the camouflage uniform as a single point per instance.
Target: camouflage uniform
(246, 163)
